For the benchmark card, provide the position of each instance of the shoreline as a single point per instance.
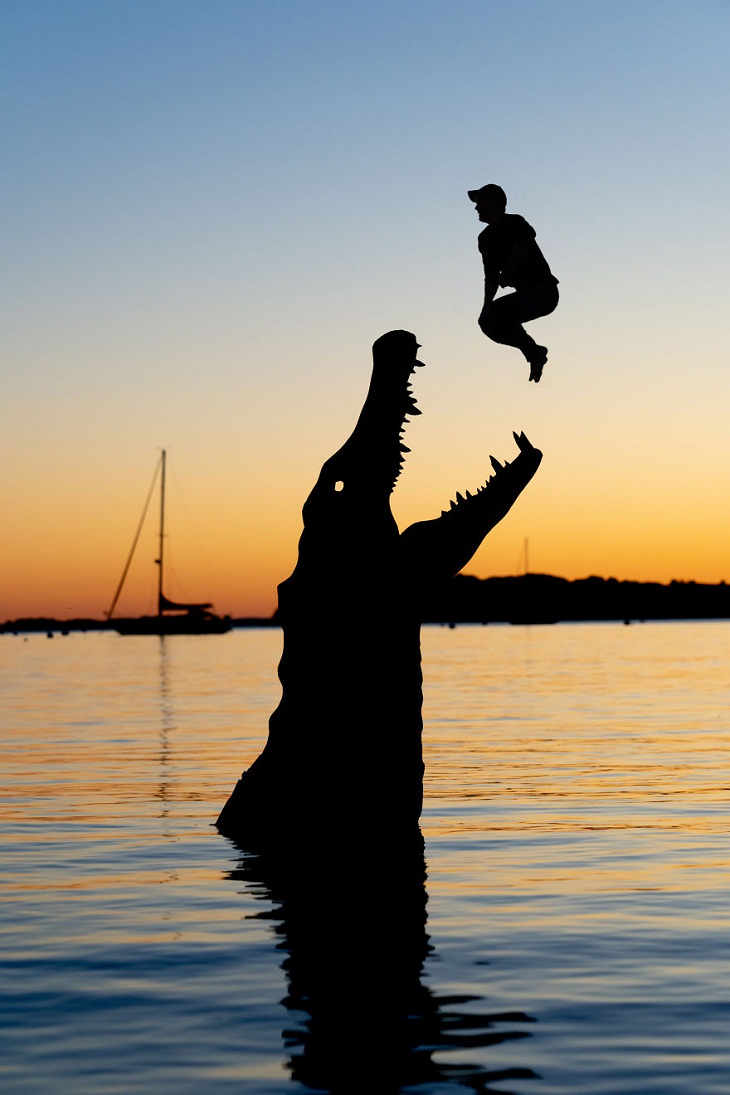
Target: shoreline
(524, 599)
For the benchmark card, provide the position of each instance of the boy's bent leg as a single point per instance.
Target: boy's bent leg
(502, 320)
(538, 301)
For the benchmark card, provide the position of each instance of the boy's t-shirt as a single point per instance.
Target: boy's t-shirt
(496, 243)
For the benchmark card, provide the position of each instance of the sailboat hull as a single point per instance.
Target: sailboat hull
(173, 625)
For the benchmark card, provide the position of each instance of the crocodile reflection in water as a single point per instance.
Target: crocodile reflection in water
(350, 612)
(362, 1021)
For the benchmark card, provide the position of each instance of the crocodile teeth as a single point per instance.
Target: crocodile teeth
(495, 463)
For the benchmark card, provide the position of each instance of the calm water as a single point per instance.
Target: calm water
(576, 847)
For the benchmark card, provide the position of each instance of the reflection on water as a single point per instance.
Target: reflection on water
(576, 846)
(352, 924)
(167, 721)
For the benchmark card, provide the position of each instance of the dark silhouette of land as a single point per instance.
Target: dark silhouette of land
(543, 598)
(527, 598)
(53, 625)
(351, 614)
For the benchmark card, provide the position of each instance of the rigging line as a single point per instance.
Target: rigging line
(134, 542)
(201, 558)
(523, 563)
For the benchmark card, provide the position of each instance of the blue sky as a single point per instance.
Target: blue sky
(212, 210)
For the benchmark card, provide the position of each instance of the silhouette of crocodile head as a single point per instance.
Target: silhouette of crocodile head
(351, 613)
(370, 461)
(351, 499)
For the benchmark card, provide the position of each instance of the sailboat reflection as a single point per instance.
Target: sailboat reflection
(167, 724)
(352, 924)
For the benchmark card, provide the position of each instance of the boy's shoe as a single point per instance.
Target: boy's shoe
(537, 360)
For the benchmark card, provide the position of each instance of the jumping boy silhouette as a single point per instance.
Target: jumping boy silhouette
(512, 259)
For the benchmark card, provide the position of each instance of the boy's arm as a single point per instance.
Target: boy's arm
(491, 271)
(516, 256)
(491, 284)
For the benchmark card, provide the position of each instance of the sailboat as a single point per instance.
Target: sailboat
(173, 617)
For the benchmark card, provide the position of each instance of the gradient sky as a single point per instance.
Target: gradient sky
(212, 210)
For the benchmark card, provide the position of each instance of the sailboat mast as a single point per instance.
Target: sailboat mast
(161, 547)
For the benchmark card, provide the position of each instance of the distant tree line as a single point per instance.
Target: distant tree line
(542, 598)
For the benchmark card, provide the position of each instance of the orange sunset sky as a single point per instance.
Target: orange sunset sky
(211, 211)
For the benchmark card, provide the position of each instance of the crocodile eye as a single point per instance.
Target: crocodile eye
(339, 485)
